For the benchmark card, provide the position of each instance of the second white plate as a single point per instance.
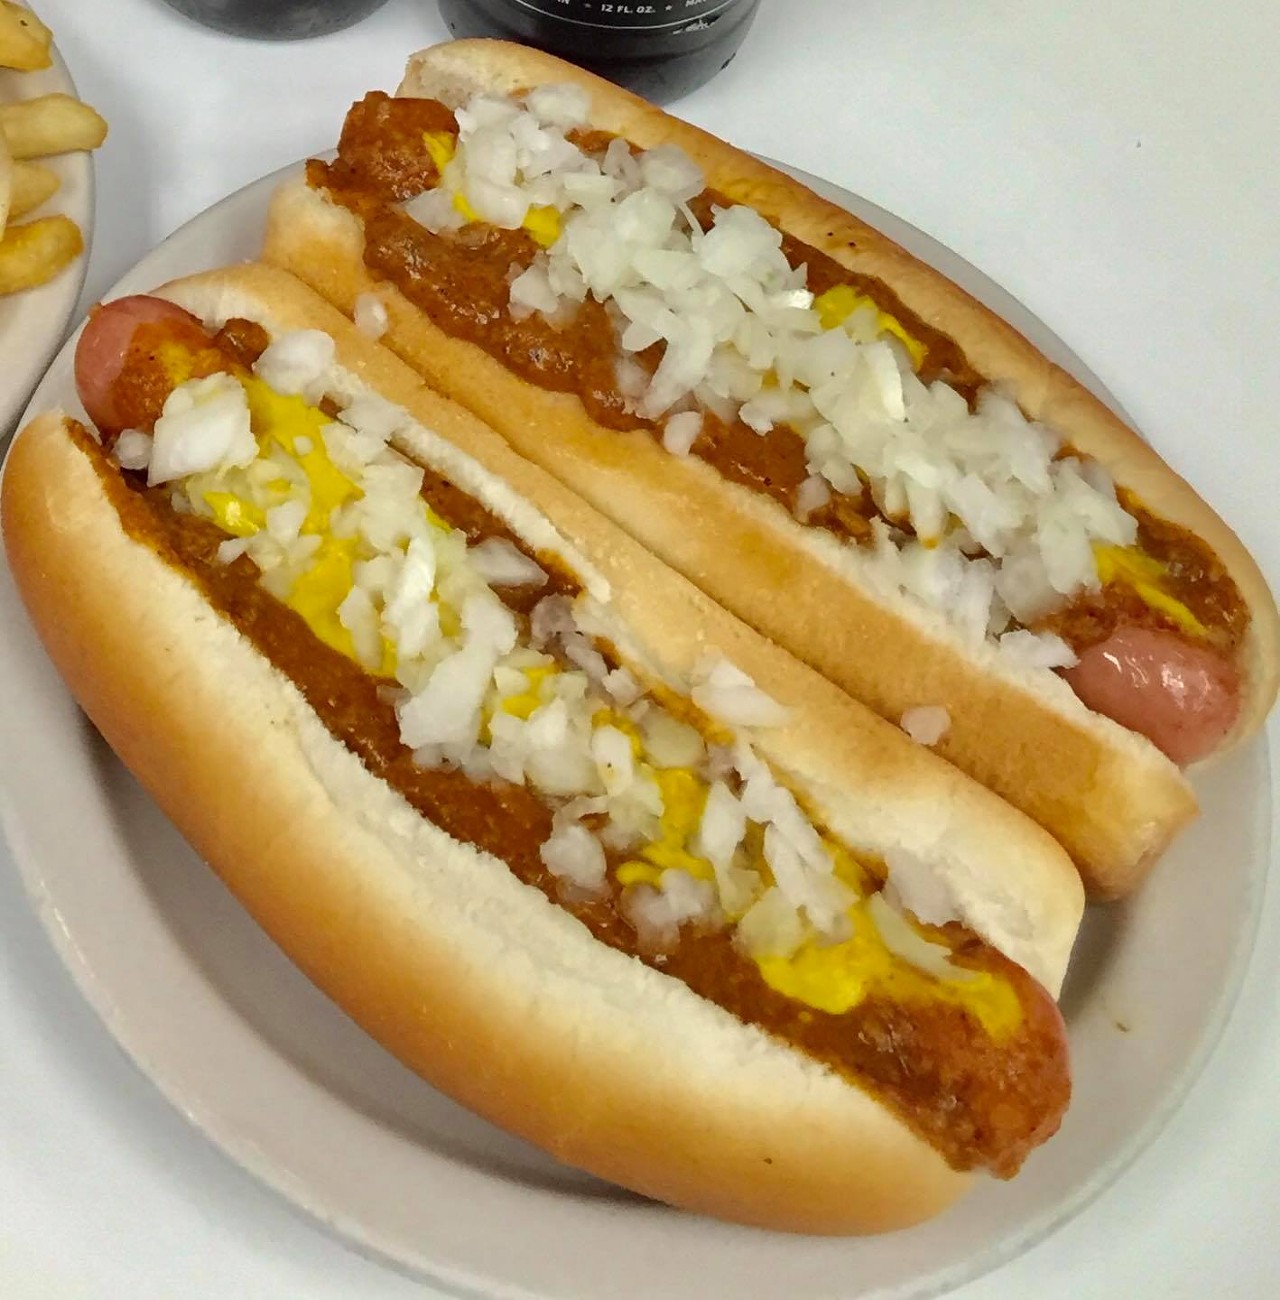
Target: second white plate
(244, 1046)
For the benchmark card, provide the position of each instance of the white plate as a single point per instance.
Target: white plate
(270, 1071)
(34, 323)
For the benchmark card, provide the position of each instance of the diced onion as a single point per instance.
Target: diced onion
(905, 942)
(132, 449)
(724, 822)
(370, 315)
(232, 549)
(611, 750)
(669, 742)
(681, 432)
(919, 886)
(573, 854)
(204, 425)
(502, 564)
(725, 692)
(813, 494)
(436, 210)
(926, 724)
(297, 362)
(1011, 522)
(1037, 650)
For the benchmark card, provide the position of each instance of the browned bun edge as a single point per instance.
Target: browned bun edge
(1105, 793)
(483, 987)
(1045, 391)
(1012, 883)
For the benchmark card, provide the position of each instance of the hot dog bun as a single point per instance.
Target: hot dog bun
(476, 981)
(1105, 792)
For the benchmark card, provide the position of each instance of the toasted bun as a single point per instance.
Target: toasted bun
(1109, 796)
(479, 983)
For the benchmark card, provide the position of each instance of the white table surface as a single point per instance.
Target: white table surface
(1113, 163)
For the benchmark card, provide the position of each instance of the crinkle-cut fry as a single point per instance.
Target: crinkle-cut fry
(34, 253)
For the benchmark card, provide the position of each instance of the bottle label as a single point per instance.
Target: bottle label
(651, 16)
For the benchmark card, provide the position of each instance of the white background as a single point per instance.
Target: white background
(1115, 164)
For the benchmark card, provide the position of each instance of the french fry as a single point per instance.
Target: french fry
(6, 173)
(33, 253)
(24, 39)
(29, 186)
(50, 124)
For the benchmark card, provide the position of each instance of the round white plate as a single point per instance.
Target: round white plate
(34, 323)
(244, 1046)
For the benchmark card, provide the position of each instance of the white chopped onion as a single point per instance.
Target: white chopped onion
(926, 724)
(669, 742)
(812, 494)
(724, 822)
(726, 693)
(572, 853)
(1015, 525)
(771, 927)
(919, 886)
(297, 362)
(204, 425)
(658, 914)
(408, 611)
(1037, 650)
(284, 522)
(612, 752)
(531, 292)
(681, 432)
(502, 564)
(622, 686)
(672, 172)
(132, 449)
(905, 942)
(559, 105)
(371, 415)
(357, 614)
(436, 210)
(232, 549)
(370, 315)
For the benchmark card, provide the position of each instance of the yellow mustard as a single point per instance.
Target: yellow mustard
(440, 146)
(234, 515)
(293, 425)
(684, 796)
(838, 976)
(839, 303)
(177, 361)
(461, 205)
(524, 705)
(1145, 575)
(543, 223)
(286, 418)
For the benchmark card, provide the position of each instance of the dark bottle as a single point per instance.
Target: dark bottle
(278, 20)
(660, 50)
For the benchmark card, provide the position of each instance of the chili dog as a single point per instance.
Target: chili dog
(583, 850)
(824, 434)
